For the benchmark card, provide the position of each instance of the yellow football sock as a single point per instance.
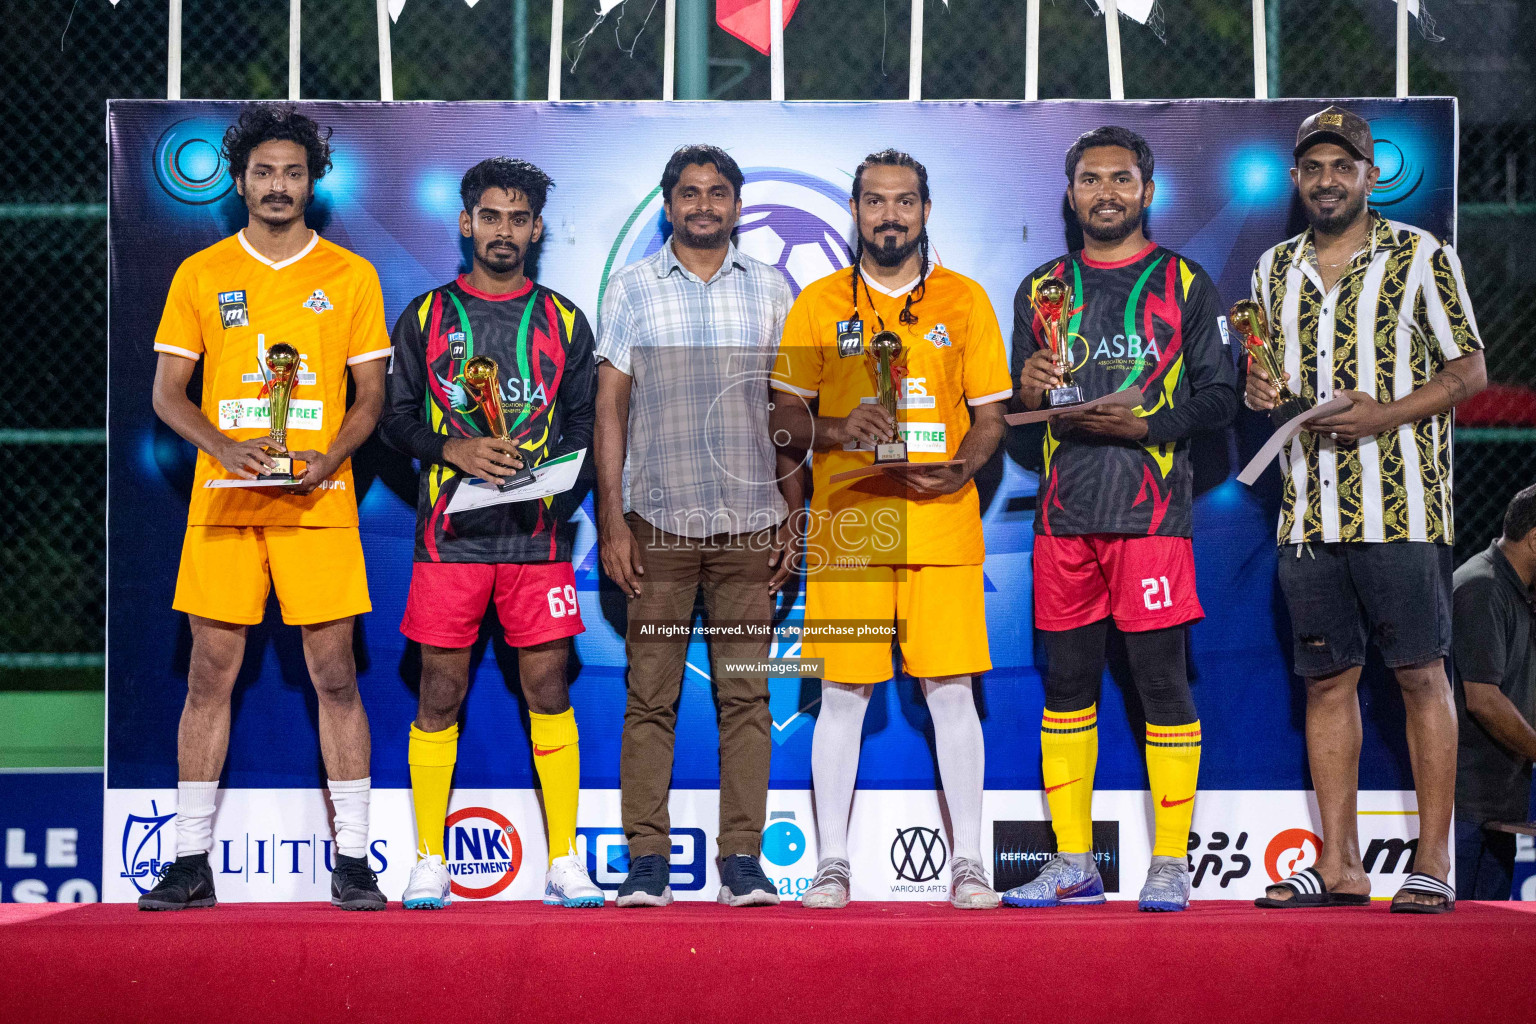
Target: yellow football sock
(557, 758)
(431, 756)
(1069, 752)
(1173, 768)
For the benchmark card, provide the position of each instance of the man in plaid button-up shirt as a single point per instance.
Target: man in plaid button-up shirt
(688, 493)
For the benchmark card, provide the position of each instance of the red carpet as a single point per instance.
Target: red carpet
(906, 963)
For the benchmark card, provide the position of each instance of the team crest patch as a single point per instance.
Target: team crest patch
(318, 302)
(939, 336)
(233, 311)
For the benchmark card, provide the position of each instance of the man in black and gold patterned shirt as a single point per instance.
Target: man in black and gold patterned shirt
(1376, 312)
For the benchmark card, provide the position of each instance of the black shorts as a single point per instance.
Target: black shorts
(1343, 596)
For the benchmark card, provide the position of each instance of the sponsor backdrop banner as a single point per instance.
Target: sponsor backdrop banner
(996, 174)
(51, 823)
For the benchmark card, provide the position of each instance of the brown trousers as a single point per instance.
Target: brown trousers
(733, 570)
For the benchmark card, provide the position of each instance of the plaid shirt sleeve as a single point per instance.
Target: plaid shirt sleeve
(616, 329)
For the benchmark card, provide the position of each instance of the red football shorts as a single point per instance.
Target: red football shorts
(535, 601)
(1144, 582)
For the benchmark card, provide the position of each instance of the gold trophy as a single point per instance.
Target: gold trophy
(1053, 301)
(282, 370)
(1248, 319)
(482, 378)
(887, 349)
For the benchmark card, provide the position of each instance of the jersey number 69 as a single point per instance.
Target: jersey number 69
(562, 601)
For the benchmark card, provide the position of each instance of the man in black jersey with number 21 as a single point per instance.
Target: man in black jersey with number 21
(1112, 527)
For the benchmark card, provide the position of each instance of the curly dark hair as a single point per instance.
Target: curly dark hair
(505, 173)
(1112, 135)
(893, 158)
(264, 122)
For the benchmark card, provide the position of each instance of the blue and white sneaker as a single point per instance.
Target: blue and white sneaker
(567, 884)
(1070, 878)
(1167, 885)
(429, 887)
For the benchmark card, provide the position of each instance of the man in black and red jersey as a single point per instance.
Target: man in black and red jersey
(516, 554)
(1112, 529)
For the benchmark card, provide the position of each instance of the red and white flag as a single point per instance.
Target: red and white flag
(747, 20)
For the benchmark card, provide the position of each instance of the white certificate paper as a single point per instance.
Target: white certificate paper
(553, 477)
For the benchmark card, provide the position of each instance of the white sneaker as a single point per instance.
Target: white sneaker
(968, 887)
(429, 887)
(567, 884)
(829, 889)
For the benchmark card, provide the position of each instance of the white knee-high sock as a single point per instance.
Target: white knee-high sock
(350, 799)
(194, 817)
(962, 763)
(835, 762)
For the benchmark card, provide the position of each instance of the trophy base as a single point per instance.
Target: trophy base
(891, 451)
(282, 468)
(1288, 410)
(522, 478)
(1058, 398)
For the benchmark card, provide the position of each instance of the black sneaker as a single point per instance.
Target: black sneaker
(743, 884)
(354, 886)
(646, 884)
(185, 882)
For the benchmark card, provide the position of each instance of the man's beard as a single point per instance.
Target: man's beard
(276, 212)
(1114, 232)
(711, 239)
(499, 262)
(892, 253)
(1342, 217)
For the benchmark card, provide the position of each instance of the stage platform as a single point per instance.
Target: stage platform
(902, 962)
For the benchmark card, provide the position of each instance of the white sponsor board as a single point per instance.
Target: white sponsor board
(272, 845)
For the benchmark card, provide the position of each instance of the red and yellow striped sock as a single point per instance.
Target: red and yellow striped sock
(1069, 753)
(1173, 768)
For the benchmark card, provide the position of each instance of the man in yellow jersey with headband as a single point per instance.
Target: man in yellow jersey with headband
(895, 547)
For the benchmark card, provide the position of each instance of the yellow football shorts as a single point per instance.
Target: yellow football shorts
(227, 571)
(942, 607)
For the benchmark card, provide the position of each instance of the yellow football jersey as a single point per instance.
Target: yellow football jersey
(228, 304)
(954, 357)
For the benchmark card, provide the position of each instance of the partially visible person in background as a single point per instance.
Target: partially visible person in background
(1495, 679)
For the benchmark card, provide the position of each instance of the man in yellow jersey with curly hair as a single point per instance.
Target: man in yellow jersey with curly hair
(895, 548)
(274, 282)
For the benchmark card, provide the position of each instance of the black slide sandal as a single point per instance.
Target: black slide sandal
(1310, 893)
(1425, 885)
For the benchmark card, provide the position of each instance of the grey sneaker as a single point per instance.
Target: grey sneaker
(1068, 878)
(1167, 885)
(969, 888)
(743, 884)
(829, 889)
